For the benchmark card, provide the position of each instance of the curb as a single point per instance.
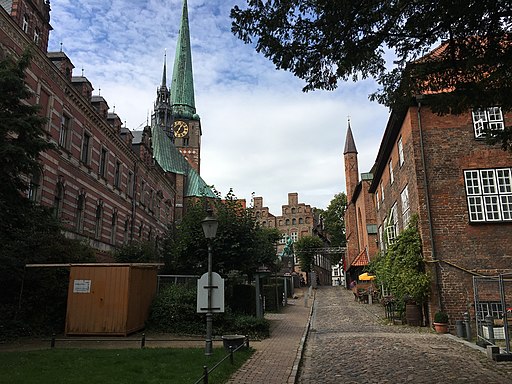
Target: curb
(300, 352)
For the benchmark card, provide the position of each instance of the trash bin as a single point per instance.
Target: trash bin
(233, 341)
(461, 330)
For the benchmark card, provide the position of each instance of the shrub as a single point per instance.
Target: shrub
(441, 317)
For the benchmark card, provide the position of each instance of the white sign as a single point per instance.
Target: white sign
(82, 286)
(217, 293)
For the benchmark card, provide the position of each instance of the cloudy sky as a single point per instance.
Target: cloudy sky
(261, 133)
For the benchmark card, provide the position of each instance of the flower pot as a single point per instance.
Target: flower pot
(441, 327)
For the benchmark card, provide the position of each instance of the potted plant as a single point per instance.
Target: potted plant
(441, 322)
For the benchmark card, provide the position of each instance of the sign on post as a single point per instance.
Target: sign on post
(217, 293)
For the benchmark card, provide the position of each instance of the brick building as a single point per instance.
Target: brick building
(360, 220)
(296, 221)
(440, 168)
(107, 184)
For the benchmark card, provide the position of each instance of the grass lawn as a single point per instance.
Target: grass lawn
(119, 366)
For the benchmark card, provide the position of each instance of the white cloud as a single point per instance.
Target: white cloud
(261, 134)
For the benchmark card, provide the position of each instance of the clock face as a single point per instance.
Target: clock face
(180, 128)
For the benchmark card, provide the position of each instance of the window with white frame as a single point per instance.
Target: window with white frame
(382, 246)
(400, 146)
(487, 118)
(24, 24)
(377, 199)
(294, 236)
(489, 194)
(406, 212)
(381, 191)
(392, 225)
(283, 239)
(37, 35)
(391, 176)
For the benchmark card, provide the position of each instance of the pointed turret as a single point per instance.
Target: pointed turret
(162, 108)
(182, 86)
(350, 145)
(351, 165)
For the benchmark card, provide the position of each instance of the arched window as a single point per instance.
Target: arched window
(287, 221)
(59, 199)
(113, 227)
(294, 221)
(301, 220)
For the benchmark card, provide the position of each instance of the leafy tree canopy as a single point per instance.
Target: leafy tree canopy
(22, 136)
(306, 248)
(240, 244)
(325, 42)
(334, 220)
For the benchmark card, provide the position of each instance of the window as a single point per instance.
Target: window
(185, 142)
(400, 151)
(142, 191)
(294, 236)
(301, 220)
(113, 227)
(103, 162)
(98, 222)
(287, 222)
(406, 212)
(129, 186)
(117, 174)
(283, 239)
(381, 242)
(377, 199)
(126, 235)
(392, 225)
(391, 177)
(489, 194)
(487, 119)
(58, 199)
(34, 186)
(24, 25)
(37, 35)
(86, 148)
(64, 131)
(381, 191)
(80, 209)
(294, 221)
(293, 210)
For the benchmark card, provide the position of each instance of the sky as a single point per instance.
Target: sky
(261, 134)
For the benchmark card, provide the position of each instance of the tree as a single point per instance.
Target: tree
(22, 136)
(32, 300)
(325, 42)
(240, 244)
(334, 220)
(306, 248)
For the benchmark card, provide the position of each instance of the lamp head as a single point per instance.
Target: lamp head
(210, 225)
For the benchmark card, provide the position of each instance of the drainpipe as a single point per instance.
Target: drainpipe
(429, 215)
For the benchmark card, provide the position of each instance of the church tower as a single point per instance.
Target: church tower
(162, 116)
(186, 124)
(351, 181)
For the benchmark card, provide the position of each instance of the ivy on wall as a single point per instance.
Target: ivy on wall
(401, 268)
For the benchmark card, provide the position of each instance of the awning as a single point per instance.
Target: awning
(365, 276)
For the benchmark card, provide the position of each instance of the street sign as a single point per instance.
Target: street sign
(217, 293)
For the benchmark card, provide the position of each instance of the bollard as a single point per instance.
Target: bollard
(205, 374)
(247, 341)
(52, 342)
(489, 322)
(143, 341)
(467, 323)
(231, 355)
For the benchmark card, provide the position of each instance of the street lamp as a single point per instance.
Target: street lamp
(209, 225)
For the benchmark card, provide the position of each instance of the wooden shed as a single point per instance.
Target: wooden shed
(109, 299)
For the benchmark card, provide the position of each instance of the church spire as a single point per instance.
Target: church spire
(182, 86)
(164, 75)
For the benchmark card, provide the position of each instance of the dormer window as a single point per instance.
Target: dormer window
(487, 119)
(24, 26)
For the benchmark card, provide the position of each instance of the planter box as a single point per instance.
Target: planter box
(233, 341)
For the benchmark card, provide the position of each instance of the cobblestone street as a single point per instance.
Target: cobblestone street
(349, 342)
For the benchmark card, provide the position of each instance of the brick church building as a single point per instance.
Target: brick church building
(108, 185)
(441, 169)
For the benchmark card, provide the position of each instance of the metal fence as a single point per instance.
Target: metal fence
(493, 310)
(165, 280)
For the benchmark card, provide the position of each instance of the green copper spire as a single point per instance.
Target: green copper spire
(182, 86)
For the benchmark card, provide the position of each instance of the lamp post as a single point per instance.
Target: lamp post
(209, 225)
